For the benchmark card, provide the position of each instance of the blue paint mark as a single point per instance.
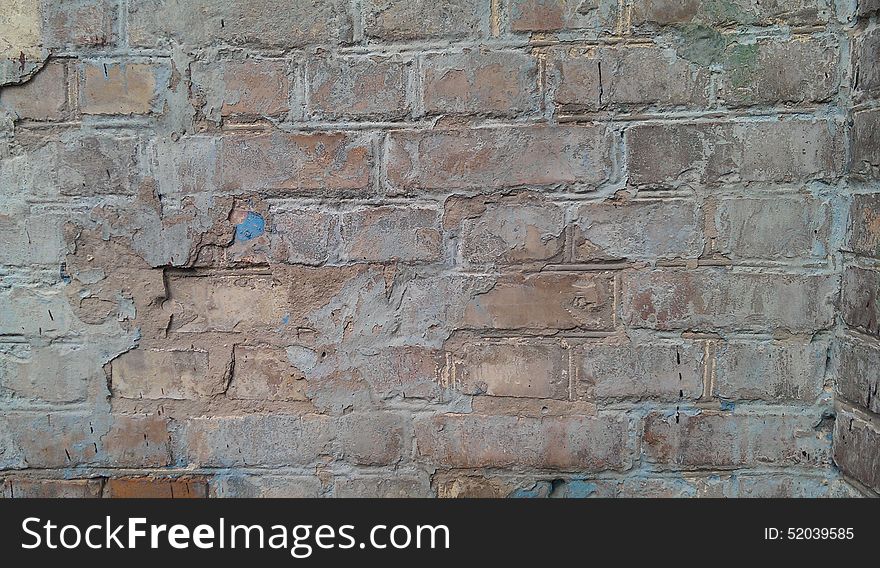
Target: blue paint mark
(578, 489)
(252, 227)
(285, 319)
(728, 405)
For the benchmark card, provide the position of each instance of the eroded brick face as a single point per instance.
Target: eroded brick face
(458, 248)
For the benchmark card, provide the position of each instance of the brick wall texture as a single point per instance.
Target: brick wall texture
(439, 248)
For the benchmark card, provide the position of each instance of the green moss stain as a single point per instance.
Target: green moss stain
(741, 63)
(700, 45)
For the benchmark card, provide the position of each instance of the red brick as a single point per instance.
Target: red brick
(266, 373)
(303, 236)
(866, 144)
(481, 82)
(59, 440)
(864, 225)
(516, 229)
(644, 230)
(767, 72)
(381, 234)
(508, 367)
(295, 162)
(375, 438)
(652, 13)
(271, 23)
(718, 153)
(859, 304)
(253, 87)
(122, 88)
(720, 299)
(713, 440)
(659, 371)
(489, 158)
(44, 97)
(544, 301)
(389, 20)
(256, 440)
(26, 488)
(565, 443)
(773, 227)
(627, 78)
(79, 23)
(855, 448)
(775, 371)
(857, 380)
(156, 488)
(552, 15)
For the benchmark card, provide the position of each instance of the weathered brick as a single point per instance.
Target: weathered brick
(59, 440)
(380, 487)
(273, 23)
(867, 69)
(42, 98)
(648, 230)
(863, 231)
(723, 299)
(17, 487)
(792, 370)
(628, 78)
(122, 88)
(156, 488)
(402, 371)
(358, 87)
(303, 236)
(510, 367)
(163, 374)
(544, 301)
(857, 379)
(865, 7)
(268, 373)
(859, 299)
(265, 486)
(474, 82)
(295, 162)
(32, 236)
(76, 163)
(773, 227)
(563, 443)
(79, 23)
(552, 15)
(225, 304)
(662, 371)
(381, 234)
(457, 485)
(653, 13)
(866, 143)
(855, 448)
(56, 373)
(486, 158)
(796, 71)
(714, 153)
(713, 440)
(506, 230)
(253, 87)
(256, 440)
(422, 19)
(375, 438)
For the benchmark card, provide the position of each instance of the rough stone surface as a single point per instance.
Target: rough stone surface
(457, 248)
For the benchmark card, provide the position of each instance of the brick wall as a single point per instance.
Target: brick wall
(857, 353)
(447, 248)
